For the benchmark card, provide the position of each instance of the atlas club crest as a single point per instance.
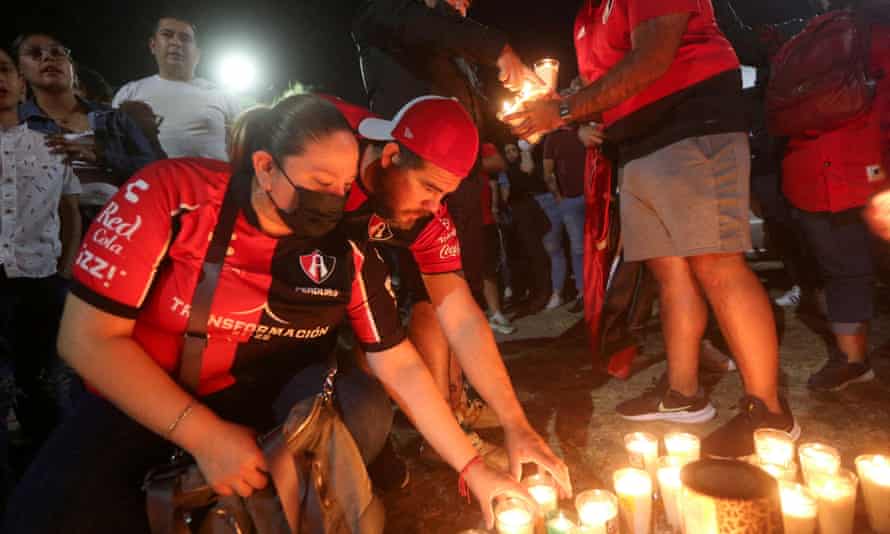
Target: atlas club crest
(317, 266)
(378, 229)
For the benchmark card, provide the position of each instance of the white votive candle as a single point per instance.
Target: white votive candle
(669, 487)
(874, 473)
(597, 511)
(682, 445)
(642, 451)
(774, 446)
(543, 489)
(634, 489)
(836, 496)
(798, 508)
(513, 516)
(816, 457)
(559, 524)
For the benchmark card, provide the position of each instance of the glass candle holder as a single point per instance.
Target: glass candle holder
(547, 69)
(642, 451)
(559, 524)
(683, 445)
(874, 474)
(799, 508)
(816, 457)
(597, 511)
(634, 489)
(543, 488)
(669, 487)
(774, 446)
(836, 496)
(513, 516)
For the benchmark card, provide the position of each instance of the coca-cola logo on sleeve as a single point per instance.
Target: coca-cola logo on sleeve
(113, 230)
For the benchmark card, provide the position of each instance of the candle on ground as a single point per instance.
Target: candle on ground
(543, 489)
(597, 511)
(634, 489)
(683, 445)
(774, 446)
(669, 487)
(818, 457)
(874, 473)
(836, 496)
(798, 508)
(513, 516)
(642, 450)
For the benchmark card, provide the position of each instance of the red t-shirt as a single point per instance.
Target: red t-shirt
(603, 37)
(278, 302)
(839, 170)
(432, 241)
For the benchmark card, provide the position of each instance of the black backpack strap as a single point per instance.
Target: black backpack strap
(195, 337)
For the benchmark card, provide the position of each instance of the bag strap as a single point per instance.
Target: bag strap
(195, 336)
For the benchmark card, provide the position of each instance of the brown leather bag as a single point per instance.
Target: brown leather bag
(320, 485)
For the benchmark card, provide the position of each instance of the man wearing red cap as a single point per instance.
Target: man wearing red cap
(413, 162)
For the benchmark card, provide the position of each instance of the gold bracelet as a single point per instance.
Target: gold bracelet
(182, 415)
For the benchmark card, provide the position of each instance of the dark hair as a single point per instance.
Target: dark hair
(176, 12)
(93, 85)
(283, 129)
(11, 56)
(16, 47)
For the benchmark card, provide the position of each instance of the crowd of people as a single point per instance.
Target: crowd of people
(397, 221)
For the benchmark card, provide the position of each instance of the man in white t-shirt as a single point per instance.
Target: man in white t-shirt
(195, 113)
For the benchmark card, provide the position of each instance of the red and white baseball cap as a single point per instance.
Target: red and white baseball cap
(436, 128)
(354, 114)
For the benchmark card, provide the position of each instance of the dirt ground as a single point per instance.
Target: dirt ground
(574, 411)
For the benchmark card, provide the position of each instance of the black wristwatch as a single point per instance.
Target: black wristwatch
(564, 112)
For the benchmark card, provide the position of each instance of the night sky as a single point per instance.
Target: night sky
(305, 40)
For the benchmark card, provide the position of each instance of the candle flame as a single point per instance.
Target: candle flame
(797, 501)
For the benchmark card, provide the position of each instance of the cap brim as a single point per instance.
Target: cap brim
(376, 129)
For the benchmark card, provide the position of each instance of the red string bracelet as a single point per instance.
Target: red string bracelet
(462, 482)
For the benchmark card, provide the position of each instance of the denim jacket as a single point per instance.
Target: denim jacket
(124, 146)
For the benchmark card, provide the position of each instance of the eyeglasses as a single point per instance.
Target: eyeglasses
(54, 51)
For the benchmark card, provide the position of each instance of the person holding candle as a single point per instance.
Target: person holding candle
(666, 84)
(398, 202)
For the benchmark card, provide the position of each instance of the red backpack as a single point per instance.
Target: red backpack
(819, 79)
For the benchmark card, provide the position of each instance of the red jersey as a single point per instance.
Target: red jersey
(602, 39)
(432, 241)
(278, 303)
(838, 170)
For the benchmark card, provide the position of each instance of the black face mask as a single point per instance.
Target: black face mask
(314, 214)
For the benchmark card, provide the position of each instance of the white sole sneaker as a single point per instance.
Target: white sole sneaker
(700, 416)
(864, 377)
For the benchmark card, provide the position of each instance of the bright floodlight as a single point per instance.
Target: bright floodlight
(237, 73)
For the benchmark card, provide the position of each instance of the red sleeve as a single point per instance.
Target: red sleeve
(639, 11)
(125, 244)
(437, 249)
(372, 309)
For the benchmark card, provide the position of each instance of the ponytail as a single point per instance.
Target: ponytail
(284, 129)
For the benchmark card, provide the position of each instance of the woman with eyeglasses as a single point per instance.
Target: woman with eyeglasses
(291, 276)
(105, 146)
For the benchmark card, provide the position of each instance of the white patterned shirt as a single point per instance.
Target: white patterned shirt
(32, 182)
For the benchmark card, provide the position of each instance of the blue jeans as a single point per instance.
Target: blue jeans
(568, 214)
(87, 477)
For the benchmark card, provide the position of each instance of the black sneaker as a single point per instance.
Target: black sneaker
(838, 373)
(736, 438)
(661, 403)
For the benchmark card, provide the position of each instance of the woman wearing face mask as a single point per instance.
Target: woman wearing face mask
(289, 278)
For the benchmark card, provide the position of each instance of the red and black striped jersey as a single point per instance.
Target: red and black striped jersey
(278, 303)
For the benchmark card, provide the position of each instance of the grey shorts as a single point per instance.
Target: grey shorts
(687, 199)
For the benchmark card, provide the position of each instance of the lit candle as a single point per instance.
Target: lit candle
(543, 489)
(816, 457)
(560, 525)
(683, 445)
(513, 516)
(634, 489)
(669, 487)
(874, 472)
(547, 70)
(642, 449)
(779, 472)
(798, 508)
(774, 446)
(597, 511)
(836, 495)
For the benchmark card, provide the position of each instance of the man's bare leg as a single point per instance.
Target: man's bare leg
(745, 316)
(684, 317)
